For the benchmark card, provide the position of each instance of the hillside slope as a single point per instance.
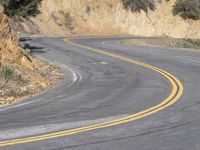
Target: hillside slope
(108, 17)
(10, 51)
(21, 76)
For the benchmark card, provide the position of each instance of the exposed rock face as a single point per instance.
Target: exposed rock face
(10, 51)
(108, 17)
(80, 17)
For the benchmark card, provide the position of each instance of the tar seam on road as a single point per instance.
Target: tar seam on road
(175, 95)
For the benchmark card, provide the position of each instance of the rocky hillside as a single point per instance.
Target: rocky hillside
(10, 51)
(108, 17)
(21, 75)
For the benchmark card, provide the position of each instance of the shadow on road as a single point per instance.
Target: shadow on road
(25, 43)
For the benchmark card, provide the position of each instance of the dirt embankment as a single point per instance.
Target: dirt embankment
(103, 17)
(21, 75)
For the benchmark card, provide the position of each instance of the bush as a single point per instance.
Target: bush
(6, 73)
(187, 9)
(68, 20)
(138, 5)
(189, 43)
(9, 74)
(20, 7)
(26, 52)
(20, 80)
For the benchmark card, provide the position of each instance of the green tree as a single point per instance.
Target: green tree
(138, 5)
(20, 8)
(187, 9)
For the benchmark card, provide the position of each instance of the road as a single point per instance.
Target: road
(100, 88)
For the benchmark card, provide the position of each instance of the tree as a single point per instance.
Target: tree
(138, 5)
(20, 8)
(187, 9)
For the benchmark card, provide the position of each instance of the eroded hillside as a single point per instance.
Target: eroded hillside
(10, 51)
(21, 75)
(109, 17)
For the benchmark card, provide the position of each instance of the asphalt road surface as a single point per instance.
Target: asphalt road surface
(99, 88)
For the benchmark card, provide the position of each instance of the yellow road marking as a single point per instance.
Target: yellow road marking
(176, 93)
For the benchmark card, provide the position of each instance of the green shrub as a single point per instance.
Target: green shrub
(189, 43)
(187, 9)
(26, 52)
(68, 20)
(6, 73)
(19, 8)
(138, 5)
(20, 80)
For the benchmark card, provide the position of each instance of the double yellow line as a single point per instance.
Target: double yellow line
(176, 93)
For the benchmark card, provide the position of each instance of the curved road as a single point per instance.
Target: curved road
(100, 88)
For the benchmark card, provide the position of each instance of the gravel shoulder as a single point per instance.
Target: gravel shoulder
(166, 42)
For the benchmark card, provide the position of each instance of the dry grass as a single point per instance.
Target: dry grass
(165, 42)
(18, 83)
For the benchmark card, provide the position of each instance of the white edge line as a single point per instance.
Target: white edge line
(76, 75)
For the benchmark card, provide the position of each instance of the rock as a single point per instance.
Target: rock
(10, 50)
(108, 17)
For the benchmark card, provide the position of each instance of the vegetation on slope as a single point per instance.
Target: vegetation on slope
(189, 43)
(165, 42)
(21, 75)
(20, 7)
(138, 5)
(187, 9)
